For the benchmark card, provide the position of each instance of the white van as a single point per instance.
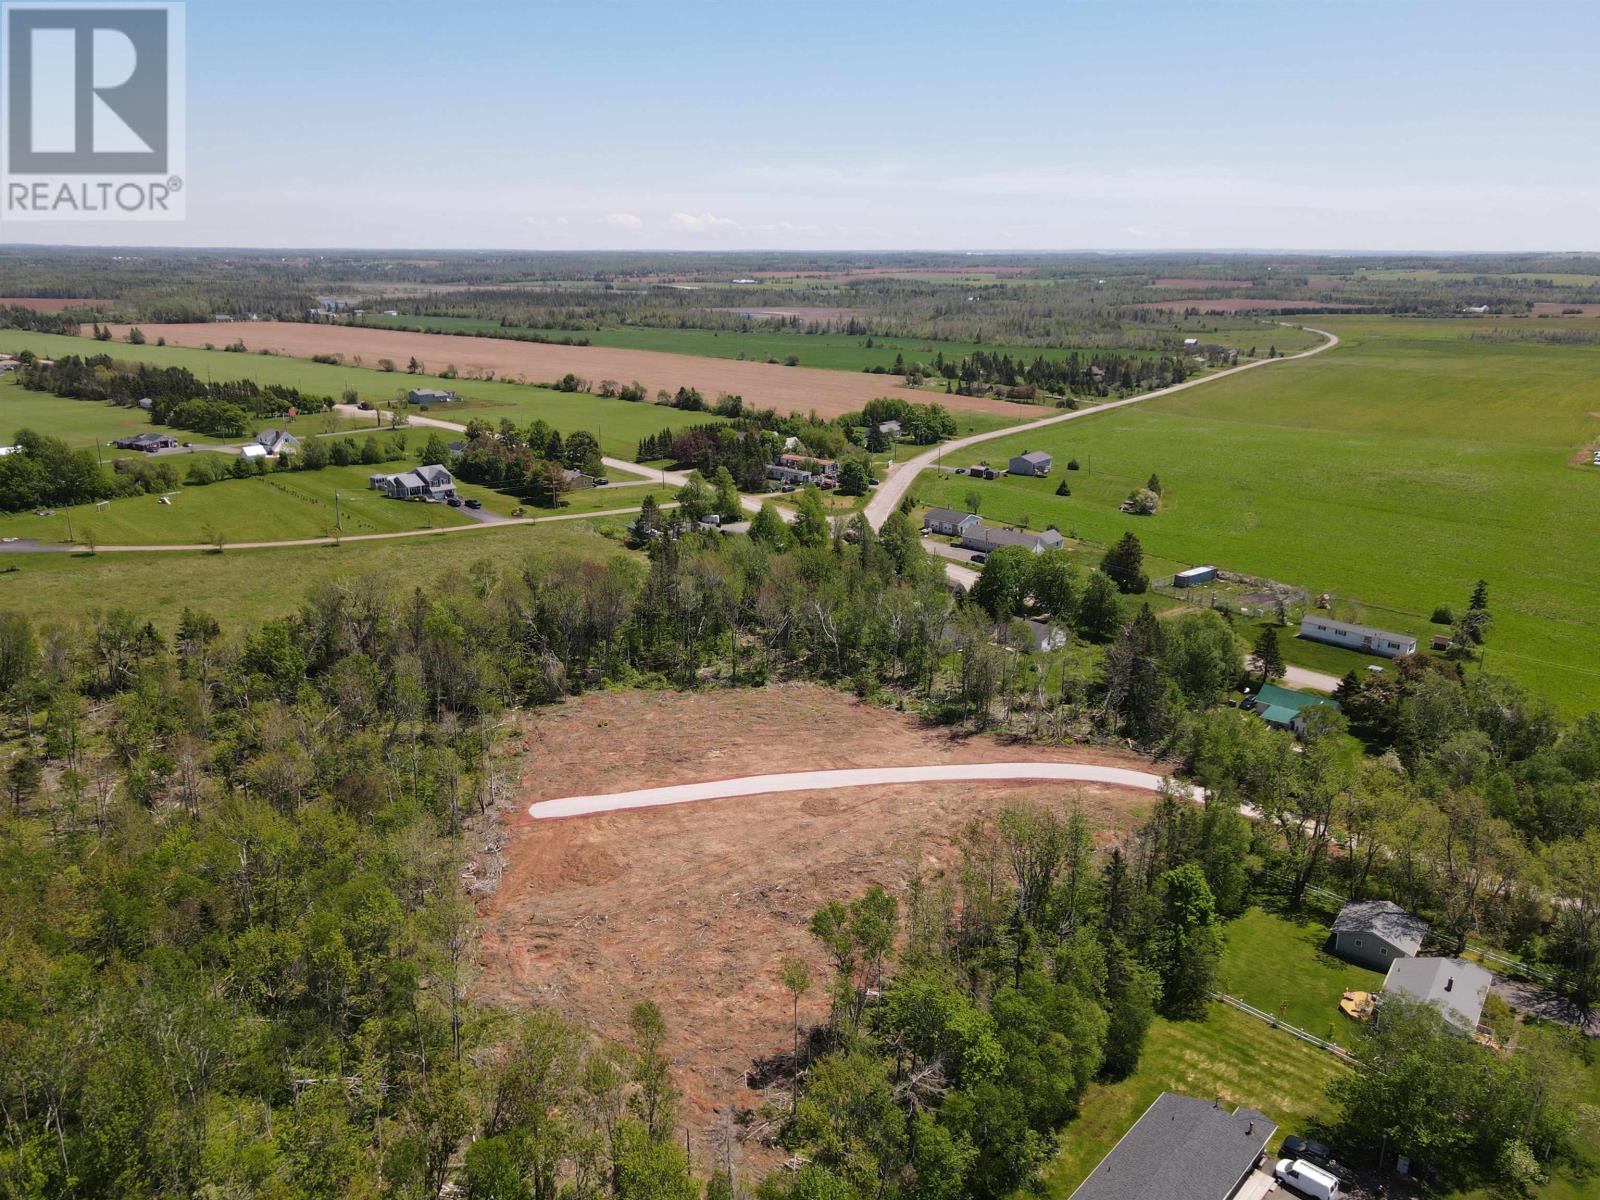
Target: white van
(1306, 1179)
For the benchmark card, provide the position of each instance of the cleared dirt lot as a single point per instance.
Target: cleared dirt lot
(764, 385)
(696, 905)
(49, 303)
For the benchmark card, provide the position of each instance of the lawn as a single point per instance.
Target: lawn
(1277, 963)
(1229, 1056)
(1393, 472)
(272, 507)
(618, 423)
(242, 587)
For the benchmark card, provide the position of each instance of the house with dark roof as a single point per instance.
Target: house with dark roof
(1377, 932)
(1455, 987)
(424, 483)
(948, 521)
(1181, 1149)
(146, 443)
(1285, 709)
(984, 538)
(277, 441)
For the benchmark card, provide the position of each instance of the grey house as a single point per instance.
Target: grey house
(1034, 462)
(984, 538)
(1377, 932)
(948, 521)
(1455, 987)
(431, 396)
(1181, 1149)
(425, 483)
(277, 441)
(147, 443)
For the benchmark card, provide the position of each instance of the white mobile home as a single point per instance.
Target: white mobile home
(1317, 628)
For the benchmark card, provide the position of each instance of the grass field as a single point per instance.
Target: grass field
(834, 351)
(1277, 963)
(1393, 472)
(619, 424)
(1228, 1056)
(243, 587)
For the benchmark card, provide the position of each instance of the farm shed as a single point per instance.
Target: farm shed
(1376, 932)
(431, 396)
(1194, 576)
(1182, 1148)
(1034, 462)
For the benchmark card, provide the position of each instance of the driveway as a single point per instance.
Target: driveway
(1304, 677)
(809, 781)
(888, 496)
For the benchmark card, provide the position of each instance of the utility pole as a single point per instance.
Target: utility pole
(337, 522)
(70, 538)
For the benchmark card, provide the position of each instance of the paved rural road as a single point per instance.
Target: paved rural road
(889, 494)
(809, 781)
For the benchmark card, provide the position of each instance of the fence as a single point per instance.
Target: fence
(1332, 1048)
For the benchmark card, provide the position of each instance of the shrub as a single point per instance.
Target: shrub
(1072, 464)
(1444, 615)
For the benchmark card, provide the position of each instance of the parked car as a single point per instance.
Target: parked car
(1298, 1147)
(961, 470)
(474, 502)
(788, 487)
(980, 559)
(454, 501)
(188, 445)
(601, 481)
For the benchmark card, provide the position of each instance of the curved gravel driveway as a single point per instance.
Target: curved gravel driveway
(810, 781)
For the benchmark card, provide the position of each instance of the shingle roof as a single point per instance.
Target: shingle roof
(1384, 919)
(1035, 456)
(1181, 1149)
(946, 516)
(1457, 987)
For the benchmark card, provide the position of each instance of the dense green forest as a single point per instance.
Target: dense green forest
(238, 953)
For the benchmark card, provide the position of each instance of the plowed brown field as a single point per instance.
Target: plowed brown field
(764, 385)
(696, 905)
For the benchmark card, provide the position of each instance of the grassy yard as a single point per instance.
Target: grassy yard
(619, 424)
(1393, 471)
(1229, 1056)
(1278, 964)
(242, 587)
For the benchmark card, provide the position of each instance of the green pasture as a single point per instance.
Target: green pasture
(244, 587)
(619, 424)
(834, 351)
(1394, 471)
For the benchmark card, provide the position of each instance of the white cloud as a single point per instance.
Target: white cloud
(704, 223)
(623, 220)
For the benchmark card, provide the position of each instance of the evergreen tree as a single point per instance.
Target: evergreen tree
(1480, 596)
(1266, 657)
(1154, 484)
(1124, 563)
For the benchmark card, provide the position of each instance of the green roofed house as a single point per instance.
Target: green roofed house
(1285, 709)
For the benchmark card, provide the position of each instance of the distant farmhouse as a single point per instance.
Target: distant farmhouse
(826, 467)
(984, 538)
(889, 428)
(147, 443)
(1043, 637)
(432, 396)
(424, 483)
(1182, 1149)
(948, 521)
(1377, 932)
(1364, 638)
(1455, 987)
(1285, 709)
(1034, 462)
(277, 441)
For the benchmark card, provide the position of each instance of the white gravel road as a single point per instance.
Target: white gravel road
(810, 781)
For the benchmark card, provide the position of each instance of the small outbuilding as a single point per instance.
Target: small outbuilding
(1194, 577)
(1375, 933)
(1034, 462)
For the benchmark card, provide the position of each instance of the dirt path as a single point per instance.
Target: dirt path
(1304, 677)
(763, 385)
(806, 781)
(888, 496)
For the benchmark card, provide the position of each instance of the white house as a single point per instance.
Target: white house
(1317, 628)
(1046, 637)
(277, 441)
(424, 483)
(948, 521)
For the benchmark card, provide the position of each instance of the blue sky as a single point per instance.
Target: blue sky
(801, 125)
